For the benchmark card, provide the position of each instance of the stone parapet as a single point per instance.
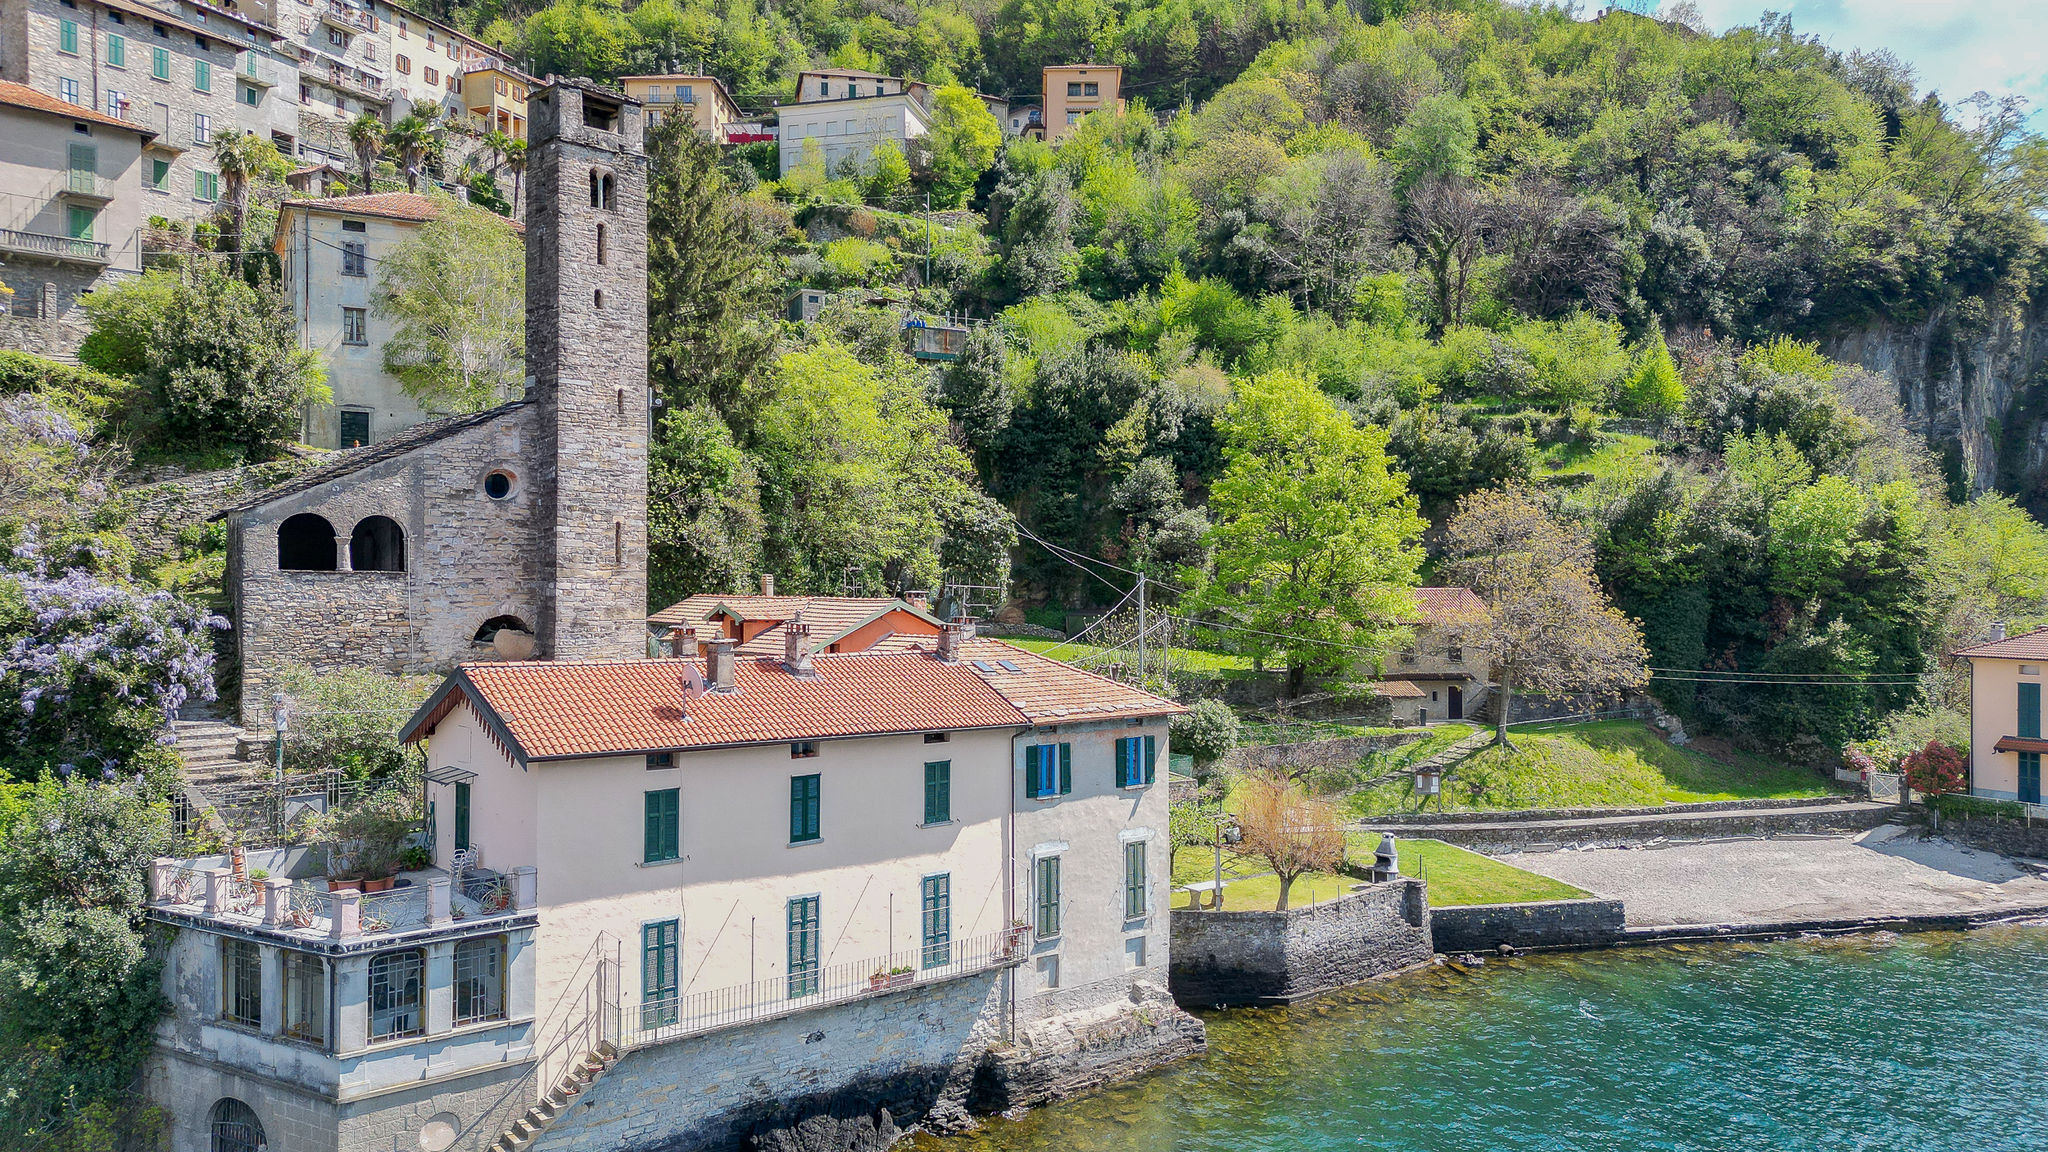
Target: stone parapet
(1236, 958)
(1536, 924)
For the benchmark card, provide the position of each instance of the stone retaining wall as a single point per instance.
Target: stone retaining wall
(1317, 753)
(854, 1076)
(1235, 958)
(1496, 840)
(1536, 924)
(1990, 833)
(1434, 818)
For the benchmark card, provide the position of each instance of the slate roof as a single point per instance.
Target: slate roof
(356, 459)
(2025, 646)
(22, 96)
(546, 710)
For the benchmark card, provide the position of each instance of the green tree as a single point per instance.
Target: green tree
(455, 290)
(1436, 142)
(243, 158)
(959, 147)
(366, 136)
(710, 281)
(347, 719)
(1207, 731)
(79, 987)
(975, 388)
(704, 522)
(416, 141)
(887, 176)
(1654, 388)
(1315, 534)
(221, 356)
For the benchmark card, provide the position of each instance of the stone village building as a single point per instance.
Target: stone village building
(925, 873)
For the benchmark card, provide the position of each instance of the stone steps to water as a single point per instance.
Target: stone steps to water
(580, 1079)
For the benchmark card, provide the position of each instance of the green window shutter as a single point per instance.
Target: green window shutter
(117, 51)
(1037, 781)
(659, 974)
(160, 63)
(936, 913)
(1049, 896)
(461, 817)
(1134, 880)
(78, 223)
(1066, 768)
(1123, 762)
(202, 76)
(67, 36)
(662, 838)
(938, 791)
(803, 808)
(1151, 759)
(159, 174)
(803, 946)
(2030, 712)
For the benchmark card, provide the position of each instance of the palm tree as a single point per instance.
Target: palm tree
(366, 133)
(515, 163)
(240, 156)
(414, 139)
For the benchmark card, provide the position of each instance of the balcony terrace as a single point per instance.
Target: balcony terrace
(348, 17)
(206, 892)
(62, 249)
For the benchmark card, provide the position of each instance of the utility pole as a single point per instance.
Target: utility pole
(927, 239)
(1141, 629)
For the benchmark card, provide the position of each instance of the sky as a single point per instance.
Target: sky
(1956, 47)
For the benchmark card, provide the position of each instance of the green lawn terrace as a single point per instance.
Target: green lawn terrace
(1453, 875)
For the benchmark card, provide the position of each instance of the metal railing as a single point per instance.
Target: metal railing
(398, 910)
(584, 1021)
(348, 16)
(660, 1021)
(477, 897)
(185, 886)
(62, 247)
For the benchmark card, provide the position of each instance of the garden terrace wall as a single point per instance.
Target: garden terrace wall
(1399, 819)
(1535, 924)
(1523, 836)
(2003, 835)
(1344, 750)
(1271, 957)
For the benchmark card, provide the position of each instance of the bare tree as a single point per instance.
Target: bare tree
(1562, 252)
(1329, 223)
(1446, 220)
(1549, 627)
(1293, 834)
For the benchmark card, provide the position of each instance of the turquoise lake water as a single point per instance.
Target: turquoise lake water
(1922, 1043)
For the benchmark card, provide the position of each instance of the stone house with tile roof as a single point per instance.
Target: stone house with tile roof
(963, 835)
(1442, 660)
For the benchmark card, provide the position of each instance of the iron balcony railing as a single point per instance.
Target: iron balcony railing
(349, 16)
(660, 1021)
(308, 907)
(58, 247)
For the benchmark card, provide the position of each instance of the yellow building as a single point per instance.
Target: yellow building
(2005, 715)
(1074, 90)
(495, 96)
(703, 99)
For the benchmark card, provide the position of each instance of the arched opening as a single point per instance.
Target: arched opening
(597, 298)
(377, 545)
(235, 1128)
(305, 543)
(498, 484)
(489, 629)
(600, 244)
(601, 189)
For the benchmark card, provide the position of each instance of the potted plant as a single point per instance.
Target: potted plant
(367, 841)
(415, 859)
(901, 975)
(878, 979)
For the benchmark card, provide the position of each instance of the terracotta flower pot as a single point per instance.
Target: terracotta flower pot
(352, 884)
(381, 884)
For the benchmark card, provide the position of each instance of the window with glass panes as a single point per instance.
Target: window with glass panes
(241, 987)
(803, 946)
(480, 980)
(938, 791)
(1048, 879)
(935, 903)
(305, 997)
(354, 261)
(660, 974)
(1048, 770)
(804, 803)
(395, 994)
(1134, 880)
(462, 817)
(1135, 758)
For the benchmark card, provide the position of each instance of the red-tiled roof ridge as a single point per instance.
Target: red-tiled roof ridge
(2024, 646)
(1446, 604)
(22, 96)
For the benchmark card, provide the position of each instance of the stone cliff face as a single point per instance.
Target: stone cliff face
(1973, 379)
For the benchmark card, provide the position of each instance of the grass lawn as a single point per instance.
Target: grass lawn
(1605, 764)
(1456, 876)
(1244, 890)
(1198, 660)
(1610, 454)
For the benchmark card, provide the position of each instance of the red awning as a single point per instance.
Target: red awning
(2019, 744)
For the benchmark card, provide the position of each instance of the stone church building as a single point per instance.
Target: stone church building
(514, 532)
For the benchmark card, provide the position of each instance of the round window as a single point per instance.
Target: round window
(498, 485)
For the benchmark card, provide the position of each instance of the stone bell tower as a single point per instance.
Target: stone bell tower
(586, 351)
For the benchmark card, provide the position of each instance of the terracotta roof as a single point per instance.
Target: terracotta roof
(357, 459)
(389, 205)
(2019, 744)
(547, 710)
(22, 96)
(1397, 690)
(829, 617)
(2025, 646)
(1446, 606)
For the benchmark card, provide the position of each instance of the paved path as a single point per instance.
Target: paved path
(1888, 871)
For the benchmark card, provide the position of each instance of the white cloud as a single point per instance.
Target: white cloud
(1955, 48)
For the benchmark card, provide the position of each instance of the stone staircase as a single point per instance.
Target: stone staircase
(1441, 760)
(217, 754)
(580, 1078)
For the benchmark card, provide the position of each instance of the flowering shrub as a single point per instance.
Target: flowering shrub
(91, 670)
(1937, 769)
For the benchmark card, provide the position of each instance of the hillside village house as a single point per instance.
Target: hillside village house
(846, 114)
(2006, 743)
(703, 99)
(758, 624)
(72, 201)
(1441, 674)
(329, 250)
(1074, 90)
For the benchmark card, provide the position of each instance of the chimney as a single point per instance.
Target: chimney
(966, 624)
(767, 583)
(796, 646)
(1997, 632)
(721, 663)
(950, 635)
(682, 643)
(922, 601)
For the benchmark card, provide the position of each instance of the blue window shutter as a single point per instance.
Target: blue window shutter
(2030, 712)
(1066, 768)
(1151, 758)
